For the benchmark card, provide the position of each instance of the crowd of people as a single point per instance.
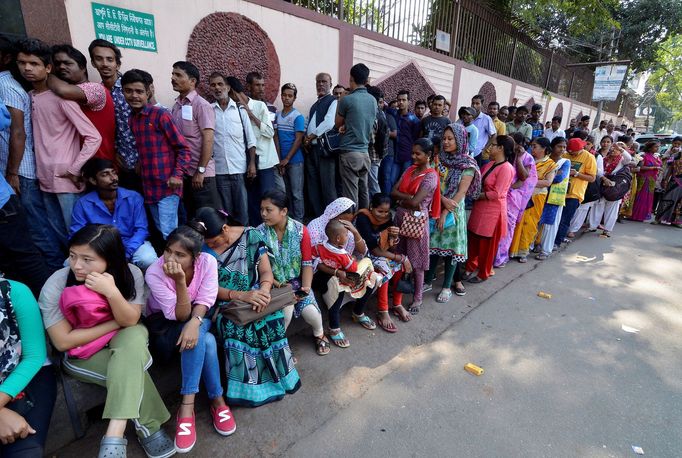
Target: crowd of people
(144, 230)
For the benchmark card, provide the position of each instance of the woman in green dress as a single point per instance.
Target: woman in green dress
(459, 178)
(259, 364)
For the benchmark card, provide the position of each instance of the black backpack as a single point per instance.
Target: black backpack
(623, 180)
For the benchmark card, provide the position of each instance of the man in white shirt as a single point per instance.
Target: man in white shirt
(555, 131)
(599, 132)
(266, 153)
(234, 150)
(487, 132)
(320, 169)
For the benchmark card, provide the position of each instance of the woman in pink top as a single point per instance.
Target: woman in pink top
(183, 286)
(488, 220)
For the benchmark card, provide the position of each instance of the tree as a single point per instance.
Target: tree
(666, 82)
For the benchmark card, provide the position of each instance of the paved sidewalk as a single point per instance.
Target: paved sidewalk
(562, 378)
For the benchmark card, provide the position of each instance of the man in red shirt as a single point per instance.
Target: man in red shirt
(70, 81)
(164, 153)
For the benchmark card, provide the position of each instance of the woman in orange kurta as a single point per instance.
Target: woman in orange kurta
(488, 220)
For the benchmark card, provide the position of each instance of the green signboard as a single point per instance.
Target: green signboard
(124, 28)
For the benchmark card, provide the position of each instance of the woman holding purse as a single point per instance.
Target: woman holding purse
(417, 197)
(259, 363)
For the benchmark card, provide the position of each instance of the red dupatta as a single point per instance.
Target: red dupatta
(410, 185)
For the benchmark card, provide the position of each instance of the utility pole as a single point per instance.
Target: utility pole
(600, 105)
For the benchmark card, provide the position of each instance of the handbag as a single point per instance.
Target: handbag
(623, 182)
(405, 285)
(242, 312)
(329, 143)
(449, 222)
(413, 225)
(593, 192)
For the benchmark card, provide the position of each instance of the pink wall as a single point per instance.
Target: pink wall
(306, 43)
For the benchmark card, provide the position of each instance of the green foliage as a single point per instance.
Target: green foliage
(646, 25)
(666, 82)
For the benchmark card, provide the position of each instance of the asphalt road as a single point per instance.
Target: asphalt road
(562, 378)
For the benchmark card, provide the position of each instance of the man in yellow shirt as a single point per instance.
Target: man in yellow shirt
(583, 171)
(500, 127)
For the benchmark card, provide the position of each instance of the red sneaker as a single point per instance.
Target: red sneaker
(185, 434)
(223, 421)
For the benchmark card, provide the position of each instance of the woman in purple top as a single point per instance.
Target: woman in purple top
(518, 196)
(183, 286)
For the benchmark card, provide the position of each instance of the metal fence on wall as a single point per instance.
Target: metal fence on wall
(478, 35)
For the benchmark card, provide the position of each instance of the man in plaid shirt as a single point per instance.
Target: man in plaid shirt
(163, 152)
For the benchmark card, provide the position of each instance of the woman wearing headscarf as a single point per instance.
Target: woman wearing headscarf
(342, 210)
(459, 178)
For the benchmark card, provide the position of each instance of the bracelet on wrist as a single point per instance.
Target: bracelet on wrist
(335, 270)
(199, 318)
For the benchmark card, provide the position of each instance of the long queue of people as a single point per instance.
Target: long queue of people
(226, 262)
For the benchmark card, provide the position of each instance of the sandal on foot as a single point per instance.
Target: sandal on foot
(339, 339)
(365, 321)
(542, 256)
(444, 296)
(387, 324)
(523, 259)
(158, 445)
(404, 317)
(467, 275)
(460, 291)
(476, 280)
(322, 346)
(414, 308)
(112, 447)
(427, 287)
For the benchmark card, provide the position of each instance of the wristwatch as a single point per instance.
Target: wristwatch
(201, 169)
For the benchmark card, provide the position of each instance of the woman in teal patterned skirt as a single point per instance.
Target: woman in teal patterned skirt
(459, 178)
(259, 364)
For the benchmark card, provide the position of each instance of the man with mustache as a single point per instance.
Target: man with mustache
(70, 82)
(116, 206)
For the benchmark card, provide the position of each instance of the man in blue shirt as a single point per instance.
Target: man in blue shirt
(19, 258)
(290, 132)
(409, 130)
(119, 207)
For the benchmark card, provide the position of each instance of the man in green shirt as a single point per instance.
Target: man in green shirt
(355, 117)
(519, 124)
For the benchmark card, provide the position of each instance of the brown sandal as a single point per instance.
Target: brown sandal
(403, 317)
(322, 346)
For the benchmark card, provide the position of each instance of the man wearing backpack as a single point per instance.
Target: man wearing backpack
(320, 167)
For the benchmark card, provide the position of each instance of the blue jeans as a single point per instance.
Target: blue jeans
(45, 239)
(397, 170)
(566, 217)
(266, 180)
(293, 179)
(385, 170)
(232, 193)
(198, 363)
(373, 179)
(36, 407)
(144, 256)
(55, 219)
(165, 214)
